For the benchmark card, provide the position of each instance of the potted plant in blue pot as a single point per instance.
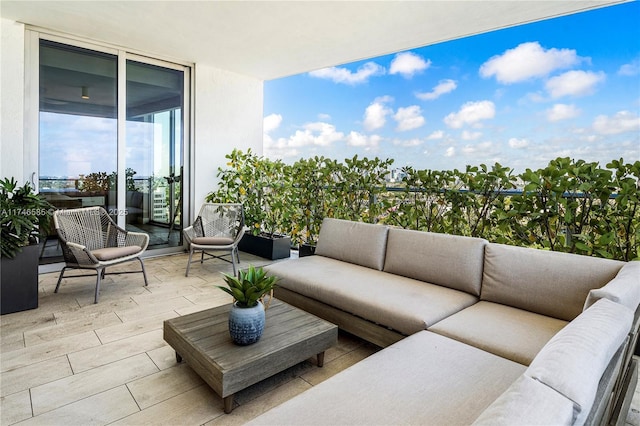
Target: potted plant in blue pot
(24, 214)
(247, 316)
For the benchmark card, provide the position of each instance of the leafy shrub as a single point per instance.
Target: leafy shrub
(571, 205)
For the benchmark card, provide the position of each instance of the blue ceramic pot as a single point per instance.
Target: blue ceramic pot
(246, 324)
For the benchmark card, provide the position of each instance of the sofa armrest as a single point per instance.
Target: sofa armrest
(527, 401)
(623, 289)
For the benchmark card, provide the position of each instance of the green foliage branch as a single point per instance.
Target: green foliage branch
(24, 216)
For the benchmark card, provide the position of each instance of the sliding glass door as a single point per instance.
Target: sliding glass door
(155, 100)
(112, 134)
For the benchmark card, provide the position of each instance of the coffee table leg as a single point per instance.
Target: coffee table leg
(178, 358)
(228, 404)
(320, 358)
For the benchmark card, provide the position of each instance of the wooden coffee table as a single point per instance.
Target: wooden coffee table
(290, 337)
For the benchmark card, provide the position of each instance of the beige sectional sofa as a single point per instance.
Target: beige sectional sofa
(473, 332)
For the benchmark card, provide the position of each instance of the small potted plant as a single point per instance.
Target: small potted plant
(23, 216)
(246, 319)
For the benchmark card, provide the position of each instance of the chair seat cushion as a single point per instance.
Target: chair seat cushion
(212, 241)
(111, 253)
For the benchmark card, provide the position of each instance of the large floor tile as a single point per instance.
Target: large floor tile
(26, 377)
(194, 407)
(99, 409)
(31, 355)
(15, 407)
(79, 386)
(164, 385)
(119, 349)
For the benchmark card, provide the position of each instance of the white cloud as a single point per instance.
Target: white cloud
(409, 118)
(574, 83)
(407, 64)
(271, 122)
(438, 134)
(312, 134)
(324, 117)
(346, 76)
(408, 142)
(480, 148)
(518, 143)
(527, 61)
(470, 136)
(560, 112)
(450, 152)
(443, 87)
(363, 141)
(631, 69)
(375, 116)
(471, 113)
(621, 122)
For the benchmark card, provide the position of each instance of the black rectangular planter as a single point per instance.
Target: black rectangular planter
(19, 281)
(276, 247)
(305, 250)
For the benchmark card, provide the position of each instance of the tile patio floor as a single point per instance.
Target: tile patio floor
(71, 362)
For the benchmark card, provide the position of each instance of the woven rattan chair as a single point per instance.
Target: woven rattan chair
(90, 239)
(218, 227)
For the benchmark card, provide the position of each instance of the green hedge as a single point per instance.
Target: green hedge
(571, 205)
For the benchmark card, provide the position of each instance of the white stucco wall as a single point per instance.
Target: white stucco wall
(228, 115)
(12, 100)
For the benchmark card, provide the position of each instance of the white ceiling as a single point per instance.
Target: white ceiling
(272, 39)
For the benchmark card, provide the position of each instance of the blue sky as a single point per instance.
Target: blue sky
(521, 96)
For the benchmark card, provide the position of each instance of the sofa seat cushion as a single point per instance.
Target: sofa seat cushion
(448, 260)
(361, 243)
(528, 402)
(549, 283)
(575, 359)
(403, 304)
(424, 379)
(502, 330)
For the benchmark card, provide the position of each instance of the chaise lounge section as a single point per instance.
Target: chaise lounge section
(473, 331)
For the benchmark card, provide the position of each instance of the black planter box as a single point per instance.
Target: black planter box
(19, 281)
(306, 250)
(276, 247)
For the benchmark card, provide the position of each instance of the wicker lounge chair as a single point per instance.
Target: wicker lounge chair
(90, 239)
(217, 227)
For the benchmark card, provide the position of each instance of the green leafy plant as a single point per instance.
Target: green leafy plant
(360, 181)
(570, 205)
(23, 216)
(313, 197)
(249, 286)
(261, 185)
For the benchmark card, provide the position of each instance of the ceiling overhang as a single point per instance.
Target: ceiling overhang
(272, 39)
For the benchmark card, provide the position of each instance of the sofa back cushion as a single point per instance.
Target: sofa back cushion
(446, 260)
(354, 242)
(545, 282)
(574, 360)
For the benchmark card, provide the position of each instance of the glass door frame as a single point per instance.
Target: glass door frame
(32, 117)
